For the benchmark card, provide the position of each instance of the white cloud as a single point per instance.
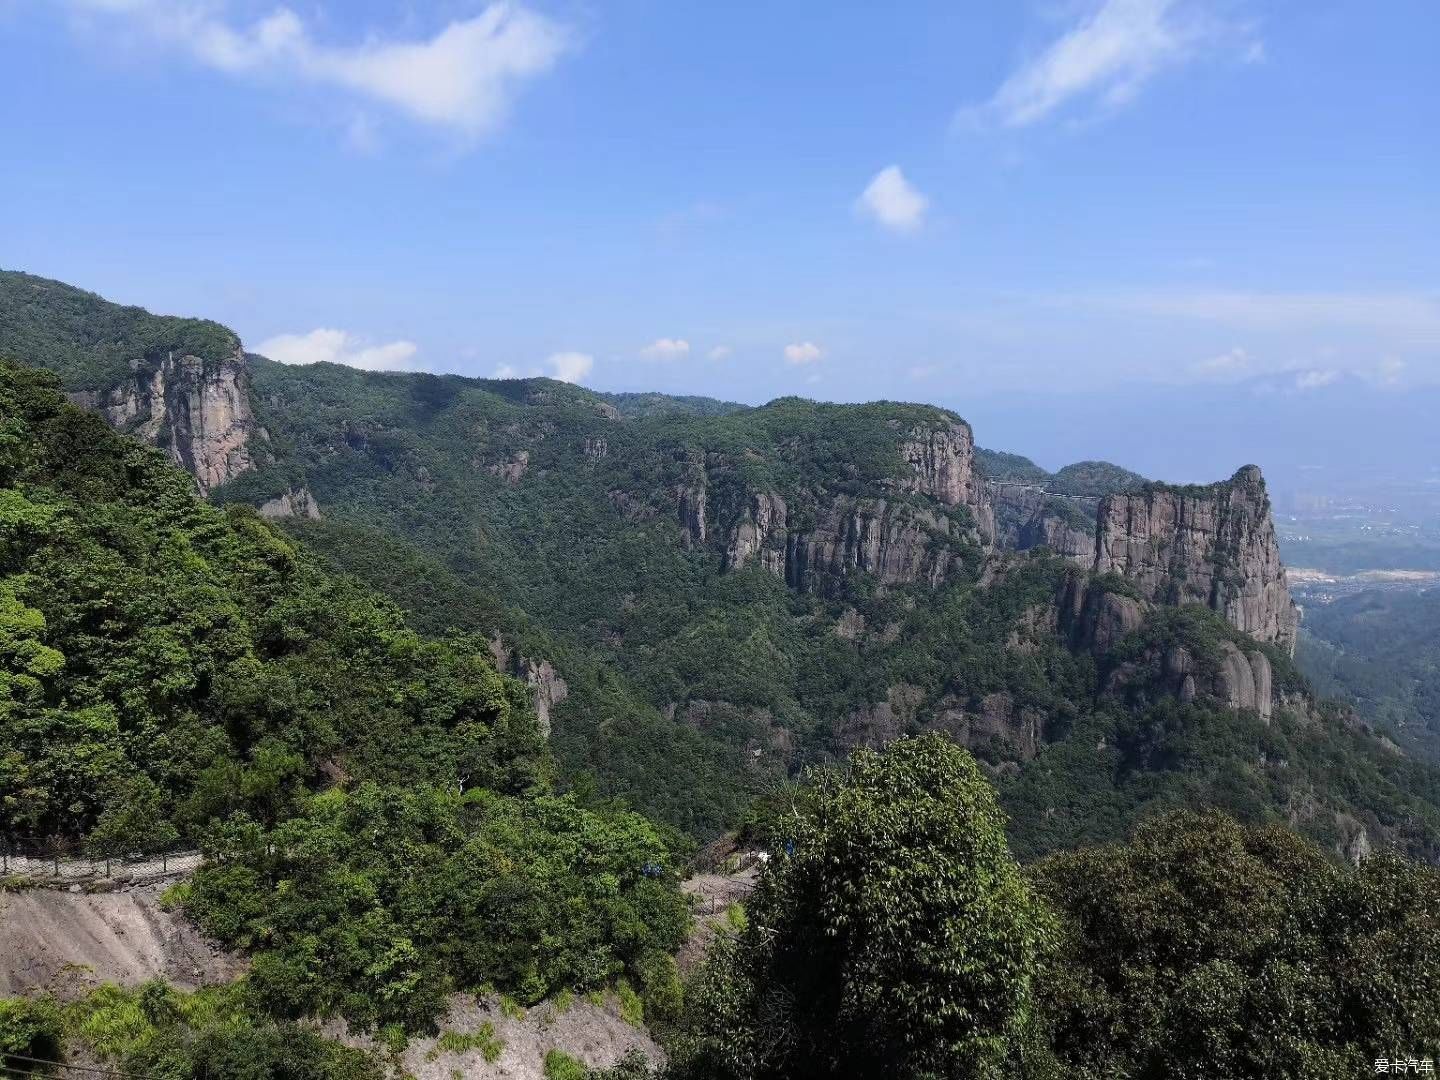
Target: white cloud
(338, 347)
(506, 371)
(1234, 361)
(720, 352)
(666, 349)
(892, 201)
(922, 371)
(1313, 380)
(571, 367)
(1111, 54)
(1389, 371)
(804, 352)
(463, 78)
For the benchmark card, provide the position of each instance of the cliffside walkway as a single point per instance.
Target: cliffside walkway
(1041, 491)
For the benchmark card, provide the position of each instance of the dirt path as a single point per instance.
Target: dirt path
(713, 893)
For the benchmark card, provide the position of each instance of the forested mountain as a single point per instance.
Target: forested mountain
(694, 601)
(705, 598)
(1381, 650)
(377, 805)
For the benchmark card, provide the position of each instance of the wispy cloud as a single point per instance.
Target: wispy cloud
(803, 352)
(1229, 364)
(330, 346)
(571, 367)
(893, 201)
(464, 78)
(1409, 314)
(720, 352)
(1314, 380)
(1109, 56)
(666, 349)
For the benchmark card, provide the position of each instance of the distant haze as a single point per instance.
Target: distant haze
(1350, 432)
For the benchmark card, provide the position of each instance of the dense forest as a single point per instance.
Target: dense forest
(173, 669)
(1381, 651)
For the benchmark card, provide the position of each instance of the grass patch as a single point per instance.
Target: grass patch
(561, 1066)
(632, 1009)
(511, 1008)
(483, 1039)
(735, 917)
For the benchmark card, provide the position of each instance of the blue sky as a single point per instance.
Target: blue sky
(951, 202)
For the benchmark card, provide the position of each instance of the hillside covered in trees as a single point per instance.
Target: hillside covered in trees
(385, 822)
(707, 598)
(177, 670)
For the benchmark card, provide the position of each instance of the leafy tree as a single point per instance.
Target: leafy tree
(893, 935)
(1204, 948)
(30, 1028)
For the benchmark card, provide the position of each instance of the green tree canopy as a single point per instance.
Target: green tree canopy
(1202, 948)
(893, 936)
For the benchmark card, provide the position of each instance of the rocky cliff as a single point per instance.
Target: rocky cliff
(913, 531)
(197, 410)
(1026, 519)
(1210, 545)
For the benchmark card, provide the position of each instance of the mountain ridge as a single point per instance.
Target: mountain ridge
(728, 595)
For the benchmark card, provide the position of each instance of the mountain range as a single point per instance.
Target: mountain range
(703, 598)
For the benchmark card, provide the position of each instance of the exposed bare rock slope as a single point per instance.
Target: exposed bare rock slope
(590, 1032)
(1213, 545)
(197, 410)
(68, 943)
(910, 532)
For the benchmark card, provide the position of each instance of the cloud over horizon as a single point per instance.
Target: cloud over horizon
(571, 367)
(329, 346)
(666, 349)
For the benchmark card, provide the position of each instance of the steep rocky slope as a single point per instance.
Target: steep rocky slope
(180, 384)
(198, 410)
(1211, 545)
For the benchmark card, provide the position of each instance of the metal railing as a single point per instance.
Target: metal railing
(52, 861)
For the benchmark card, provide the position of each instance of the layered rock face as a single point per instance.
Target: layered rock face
(1243, 679)
(197, 410)
(1214, 546)
(1025, 520)
(941, 464)
(547, 688)
(892, 537)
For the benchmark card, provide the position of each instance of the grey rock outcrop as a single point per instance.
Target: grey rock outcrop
(941, 462)
(896, 537)
(1026, 519)
(896, 543)
(1242, 678)
(512, 468)
(1214, 546)
(1094, 619)
(295, 502)
(197, 410)
(547, 688)
(760, 532)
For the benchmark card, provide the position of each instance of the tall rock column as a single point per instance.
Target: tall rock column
(1210, 545)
